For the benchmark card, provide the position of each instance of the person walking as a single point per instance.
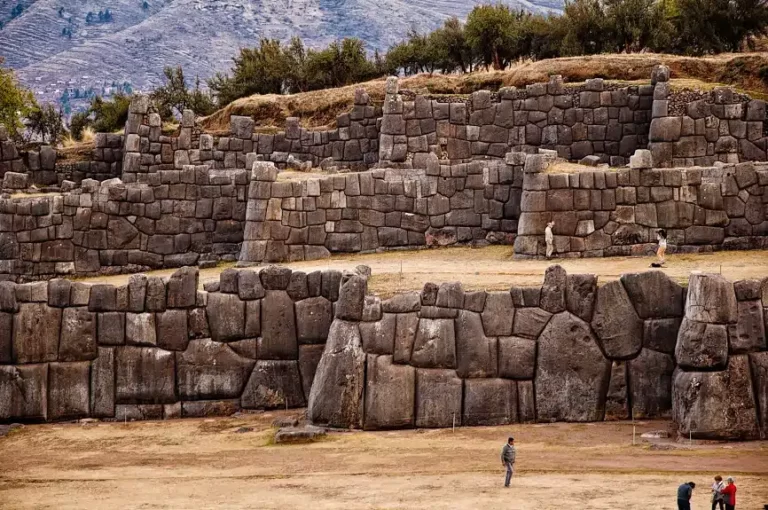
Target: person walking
(549, 238)
(508, 455)
(661, 236)
(684, 493)
(729, 494)
(717, 493)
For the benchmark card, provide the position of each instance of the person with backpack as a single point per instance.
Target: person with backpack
(717, 493)
(508, 455)
(729, 494)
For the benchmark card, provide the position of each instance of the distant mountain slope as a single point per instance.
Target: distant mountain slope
(56, 44)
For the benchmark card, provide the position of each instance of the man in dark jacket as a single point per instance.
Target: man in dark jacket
(508, 459)
(684, 493)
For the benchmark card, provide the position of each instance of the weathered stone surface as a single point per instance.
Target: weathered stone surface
(711, 298)
(68, 390)
(275, 277)
(489, 402)
(617, 399)
(140, 329)
(129, 412)
(701, 345)
(203, 408)
(650, 380)
(36, 330)
(526, 402)
(530, 322)
(616, 323)
(58, 293)
(552, 297)
(571, 373)
(438, 398)
(517, 357)
(336, 398)
(209, 370)
(24, 392)
(278, 331)
(580, 291)
(351, 297)
(103, 384)
(274, 385)
(476, 354)
(249, 285)
(654, 294)
(226, 316)
(6, 338)
(172, 333)
(450, 295)
(748, 334)
(78, 335)
(313, 319)
(309, 358)
(182, 288)
(759, 366)
(405, 335)
(389, 394)
(145, 375)
(111, 328)
(661, 334)
(402, 302)
(435, 344)
(499, 314)
(294, 435)
(716, 405)
(379, 337)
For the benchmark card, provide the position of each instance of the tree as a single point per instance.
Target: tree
(587, 28)
(633, 23)
(78, 123)
(450, 42)
(174, 97)
(16, 102)
(259, 70)
(109, 116)
(46, 122)
(491, 32)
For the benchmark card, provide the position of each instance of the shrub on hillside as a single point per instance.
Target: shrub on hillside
(16, 102)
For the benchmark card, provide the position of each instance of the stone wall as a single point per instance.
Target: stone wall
(609, 212)
(184, 217)
(569, 350)
(10, 160)
(699, 128)
(353, 144)
(380, 209)
(576, 121)
(162, 349)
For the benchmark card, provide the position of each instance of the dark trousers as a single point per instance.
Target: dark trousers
(509, 474)
(730, 507)
(718, 502)
(683, 504)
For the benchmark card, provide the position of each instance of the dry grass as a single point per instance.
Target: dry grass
(318, 109)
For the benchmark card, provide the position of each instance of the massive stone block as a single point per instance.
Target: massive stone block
(654, 294)
(309, 358)
(616, 323)
(489, 402)
(182, 288)
(24, 392)
(379, 337)
(553, 289)
(530, 322)
(711, 298)
(571, 373)
(78, 335)
(476, 354)
(716, 405)
(748, 334)
(438, 398)
(145, 375)
(435, 344)
(517, 357)
(650, 380)
(36, 329)
(274, 385)
(278, 330)
(580, 294)
(701, 345)
(226, 316)
(6, 338)
(140, 329)
(389, 394)
(336, 398)
(172, 332)
(617, 397)
(759, 365)
(661, 334)
(209, 370)
(405, 335)
(68, 390)
(351, 297)
(498, 314)
(313, 319)
(103, 384)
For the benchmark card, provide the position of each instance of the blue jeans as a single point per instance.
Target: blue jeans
(683, 504)
(509, 474)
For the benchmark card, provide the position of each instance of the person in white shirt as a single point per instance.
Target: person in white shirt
(549, 238)
(717, 493)
(661, 235)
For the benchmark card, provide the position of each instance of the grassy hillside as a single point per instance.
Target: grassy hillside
(747, 72)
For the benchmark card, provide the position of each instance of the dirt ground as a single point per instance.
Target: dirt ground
(493, 267)
(206, 463)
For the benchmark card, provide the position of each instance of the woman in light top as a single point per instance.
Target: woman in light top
(661, 235)
(717, 493)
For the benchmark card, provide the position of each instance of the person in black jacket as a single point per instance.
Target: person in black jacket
(508, 459)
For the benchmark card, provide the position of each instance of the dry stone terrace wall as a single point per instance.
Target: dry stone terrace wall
(162, 349)
(184, 217)
(380, 209)
(354, 143)
(576, 121)
(610, 212)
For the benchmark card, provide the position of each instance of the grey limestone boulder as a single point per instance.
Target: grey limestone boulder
(654, 294)
(351, 297)
(314, 316)
(309, 358)
(78, 335)
(476, 354)
(211, 370)
(103, 384)
(489, 402)
(435, 344)
(661, 334)
(68, 390)
(748, 334)
(716, 405)
(182, 288)
(650, 377)
(274, 384)
(145, 375)
(530, 322)
(226, 316)
(24, 392)
(498, 314)
(517, 357)
(711, 298)
(616, 323)
(553, 290)
(390, 393)
(701, 346)
(759, 367)
(580, 292)
(617, 397)
(278, 327)
(571, 372)
(438, 398)
(36, 330)
(336, 398)
(379, 337)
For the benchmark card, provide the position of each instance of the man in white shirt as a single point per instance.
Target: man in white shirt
(549, 238)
